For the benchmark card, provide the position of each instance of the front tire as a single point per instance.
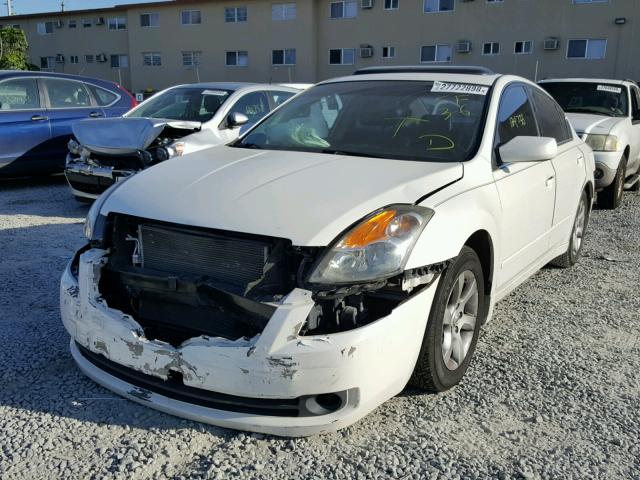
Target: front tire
(611, 197)
(572, 255)
(453, 326)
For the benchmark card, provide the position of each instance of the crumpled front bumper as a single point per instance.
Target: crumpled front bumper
(89, 181)
(371, 364)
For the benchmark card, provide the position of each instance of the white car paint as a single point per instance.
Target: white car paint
(626, 129)
(526, 208)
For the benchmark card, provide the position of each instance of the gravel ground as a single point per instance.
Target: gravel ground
(553, 391)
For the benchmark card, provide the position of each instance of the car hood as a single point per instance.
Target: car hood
(308, 198)
(589, 123)
(122, 135)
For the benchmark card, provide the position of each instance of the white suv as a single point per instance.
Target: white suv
(354, 240)
(606, 114)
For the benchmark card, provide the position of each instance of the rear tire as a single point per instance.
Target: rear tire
(454, 324)
(611, 197)
(574, 250)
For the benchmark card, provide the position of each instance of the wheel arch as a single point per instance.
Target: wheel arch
(481, 242)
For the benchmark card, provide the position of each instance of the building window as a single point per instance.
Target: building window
(119, 61)
(491, 48)
(89, 58)
(150, 20)
(117, 23)
(286, 56)
(191, 17)
(346, 9)
(580, 2)
(235, 14)
(47, 63)
(87, 23)
(73, 59)
(523, 47)
(388, 52)
(435, 53)
(73, 23)
(191, 59)
(283, 11)
(45, 28)
(495, 1)
(588, 48)
(237, 59)
(342, 56)
(434, 6)
(151, 59)
(391, 4)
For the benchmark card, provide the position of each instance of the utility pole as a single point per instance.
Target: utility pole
(62, 6)
(9, 7)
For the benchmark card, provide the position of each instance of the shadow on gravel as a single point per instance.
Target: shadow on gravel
(26, 182)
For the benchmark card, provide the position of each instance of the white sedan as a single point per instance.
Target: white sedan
(354, 240)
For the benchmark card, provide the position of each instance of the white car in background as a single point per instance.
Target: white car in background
(354, 240)
(606, 114)
(174, 122)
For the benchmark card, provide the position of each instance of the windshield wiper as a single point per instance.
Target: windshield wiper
(589, 110)
(247, 145)
(348, 153)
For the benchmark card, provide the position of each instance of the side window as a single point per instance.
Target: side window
(635, 104)
(19, 94)
(67, 93)
(278, 98)
(102, 96)
(254, 105)
(551, 122)
(515, 116)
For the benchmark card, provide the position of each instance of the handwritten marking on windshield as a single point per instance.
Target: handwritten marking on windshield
(433, 140)
(405, 121)
(460, 107)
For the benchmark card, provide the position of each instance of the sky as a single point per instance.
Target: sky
(36, 6)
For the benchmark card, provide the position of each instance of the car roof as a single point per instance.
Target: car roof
(232, 86)
(610, 81)
(486, 80)
(37, 73)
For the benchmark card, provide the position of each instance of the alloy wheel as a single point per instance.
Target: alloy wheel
(459, 321)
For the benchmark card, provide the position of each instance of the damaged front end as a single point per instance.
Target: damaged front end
(226, 328)
(103, 151)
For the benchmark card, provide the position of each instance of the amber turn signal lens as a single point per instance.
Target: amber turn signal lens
(372, 230)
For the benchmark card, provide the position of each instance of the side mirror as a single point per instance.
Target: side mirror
(236, 119)
(528, 149)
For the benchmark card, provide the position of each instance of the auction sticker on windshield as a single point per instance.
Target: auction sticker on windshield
(607, 88)
(459, 88)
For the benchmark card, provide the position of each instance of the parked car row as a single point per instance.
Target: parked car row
(351, 241)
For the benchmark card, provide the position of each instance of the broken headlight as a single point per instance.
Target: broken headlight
(377, 247)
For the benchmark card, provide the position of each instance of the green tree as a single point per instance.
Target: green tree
(13, 49)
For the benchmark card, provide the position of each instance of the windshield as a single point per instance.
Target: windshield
(190, 104)
(409, 120)
(595, 98)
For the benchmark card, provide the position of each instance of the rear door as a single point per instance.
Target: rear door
(68, 101)
(634, 157)
(24, 128)
(568, 165)
(526, 191)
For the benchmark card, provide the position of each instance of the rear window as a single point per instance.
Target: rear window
(102, 96)
(585, 97)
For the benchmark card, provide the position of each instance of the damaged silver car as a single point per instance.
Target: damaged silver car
(174, 122)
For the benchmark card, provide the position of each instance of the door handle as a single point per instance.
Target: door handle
(95, 114)
(39, 118)
(549, 181)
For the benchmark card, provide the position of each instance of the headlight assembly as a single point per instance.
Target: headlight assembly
(94, 223)
(377, 247)
(602, 143)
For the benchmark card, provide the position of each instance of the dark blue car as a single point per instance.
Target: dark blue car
(37, 110)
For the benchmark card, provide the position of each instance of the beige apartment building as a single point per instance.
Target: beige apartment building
(159, 44)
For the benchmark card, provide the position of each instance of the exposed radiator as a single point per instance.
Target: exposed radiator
(228, 260)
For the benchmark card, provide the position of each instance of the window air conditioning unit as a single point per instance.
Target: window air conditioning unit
(464, 46)
(59, 58)
(59, 24)
(100, 21)
(551, 43)
(366, 51)
(101, 57)
(366, 4)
